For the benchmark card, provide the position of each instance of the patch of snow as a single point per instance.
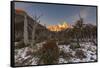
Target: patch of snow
(88, 48)
(27, 57)
(75, 60)
(61, 60)
(64, 48)
(34, 61)
(73, 53)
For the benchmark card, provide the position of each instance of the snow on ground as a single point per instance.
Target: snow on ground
(34, 61)
(64, 48)
(62, 60)
(88, 48)
(21, 55)
(25, 53)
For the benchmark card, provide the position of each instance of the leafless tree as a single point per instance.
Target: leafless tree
(36, 21)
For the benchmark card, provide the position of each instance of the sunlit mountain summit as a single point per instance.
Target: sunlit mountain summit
(59, 27)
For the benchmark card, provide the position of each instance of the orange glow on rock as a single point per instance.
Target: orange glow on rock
(59, 27)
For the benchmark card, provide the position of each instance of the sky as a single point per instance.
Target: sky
(54, 14)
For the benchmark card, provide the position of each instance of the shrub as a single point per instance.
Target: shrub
(66, 56)
(20, 45)
(80, 54)
(74, 46)
(49, 53)
(63, 42)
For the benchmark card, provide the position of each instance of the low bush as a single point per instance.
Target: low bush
(66, 56)
(49, 53)
(74, 46)
(80, 54)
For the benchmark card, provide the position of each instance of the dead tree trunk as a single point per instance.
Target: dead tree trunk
(36, 21)
(33, 34)
(25, 31)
